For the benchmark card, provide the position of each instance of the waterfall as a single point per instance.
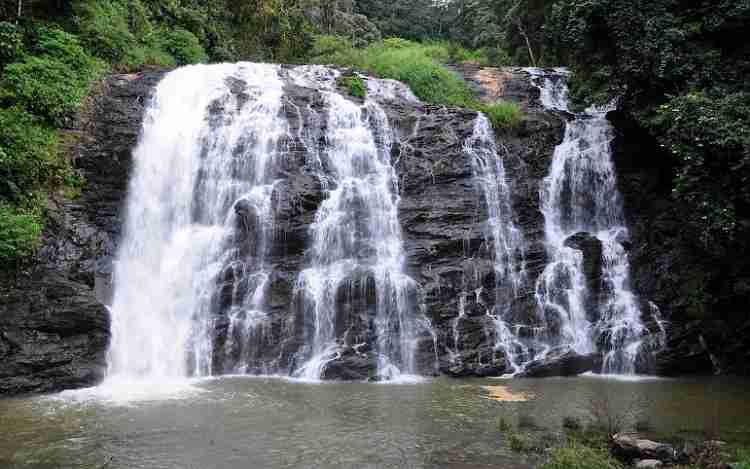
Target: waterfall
(198, 217)
(507, 239)
(356, 237)
(594, 310)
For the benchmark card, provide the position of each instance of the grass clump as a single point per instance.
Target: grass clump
(521, 442)
(575, 456)
(420, 67)
(20, 232)
(502, 425)
(502, 114)
(355, 85)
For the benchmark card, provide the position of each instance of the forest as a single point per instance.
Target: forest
(677, 69)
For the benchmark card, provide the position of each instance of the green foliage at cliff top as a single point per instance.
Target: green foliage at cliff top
(419, 66)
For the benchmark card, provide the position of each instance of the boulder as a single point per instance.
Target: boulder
(351, 366)
(567, 364)
(630, 447)
(648, 464)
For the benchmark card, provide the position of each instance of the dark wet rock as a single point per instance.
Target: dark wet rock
(591, 248)
(352, 365)
(567, 364)
(630, 447)
(593, 261)
(442, 213)
(54, 327)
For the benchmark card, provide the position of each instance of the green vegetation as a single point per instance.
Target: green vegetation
(575, 456)
(419, 65)
(20, 229)
(680, 71)
(355, 85)
(742, 458)
(521, 442)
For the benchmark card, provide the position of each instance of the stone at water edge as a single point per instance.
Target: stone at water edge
(568, 364)
(648, 464)
(629, 447)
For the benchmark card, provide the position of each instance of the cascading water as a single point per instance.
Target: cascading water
(198, 216)
(357, 236)
(580, 201)
(507, 239)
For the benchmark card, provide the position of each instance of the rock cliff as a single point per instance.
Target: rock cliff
(54, 327)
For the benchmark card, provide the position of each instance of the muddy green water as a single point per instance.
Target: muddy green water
(272, 423)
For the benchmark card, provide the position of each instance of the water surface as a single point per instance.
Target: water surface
(238, 422)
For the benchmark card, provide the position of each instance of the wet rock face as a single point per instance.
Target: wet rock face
(54, 328)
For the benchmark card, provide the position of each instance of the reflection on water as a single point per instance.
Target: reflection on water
(245, 423)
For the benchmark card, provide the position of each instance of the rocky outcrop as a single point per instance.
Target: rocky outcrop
(632, 447)
(54, 327)
(568, 363)
(442, 212)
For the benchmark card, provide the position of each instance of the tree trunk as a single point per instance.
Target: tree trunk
(528, 42)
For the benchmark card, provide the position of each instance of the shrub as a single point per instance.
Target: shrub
(11, 42)
(182, 45)
(521, 443)
(104, 29)
(355, 85)
(580, 457)
(20, 231)
(51, 85)
(502, 114)
(502, 425)
(428, 80)
(28, 156)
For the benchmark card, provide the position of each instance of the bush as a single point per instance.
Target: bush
(20, 231)
(355, 85)
(429, 81)
(28, 154)
(521, 443)
(502, 114)
(11, 42)
(182, 45)
(580, 457)
(51, 85)
(502, 425)
(105, 31)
